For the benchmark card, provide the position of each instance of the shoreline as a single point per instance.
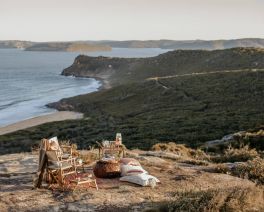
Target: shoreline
(52, 117)
(38, 120)
(105, 84)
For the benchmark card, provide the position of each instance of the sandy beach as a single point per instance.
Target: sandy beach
(57, 116)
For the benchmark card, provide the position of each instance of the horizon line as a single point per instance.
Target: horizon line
(162, 39)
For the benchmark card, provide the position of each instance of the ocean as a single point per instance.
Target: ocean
(30, 80)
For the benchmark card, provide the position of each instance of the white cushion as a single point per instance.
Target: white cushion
(54, 145)
(55, 139)
(140, 179)
(131, 170)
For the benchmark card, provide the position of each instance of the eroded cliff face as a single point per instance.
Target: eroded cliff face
(85, 66)
(110, 70)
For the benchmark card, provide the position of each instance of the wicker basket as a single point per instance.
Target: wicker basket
(107, 169)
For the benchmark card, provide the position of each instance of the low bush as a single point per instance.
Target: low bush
(252, 170)
(241, 154)
(233, 199)
(178, 149)
(222, 168)
(182, 150)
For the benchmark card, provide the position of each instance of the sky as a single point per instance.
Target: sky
(65, 20)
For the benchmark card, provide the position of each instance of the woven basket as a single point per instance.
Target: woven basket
(107, 169)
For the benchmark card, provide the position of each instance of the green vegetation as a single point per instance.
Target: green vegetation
(236, 155)
(163, 44)
(67, 46)
(189, 44)
(78, 46)
(126, 70)
(252, 170)
(188, 109)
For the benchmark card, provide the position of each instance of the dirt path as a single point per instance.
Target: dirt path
(206, 73)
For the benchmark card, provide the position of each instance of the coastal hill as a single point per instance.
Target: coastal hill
(187, 44)
(68, 46)
(75, 46)
(123, 70)
(186, 96)
(105, 45)
(11, 44)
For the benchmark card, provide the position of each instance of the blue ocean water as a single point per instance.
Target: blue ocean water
(30, 80)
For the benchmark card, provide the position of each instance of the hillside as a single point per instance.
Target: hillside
(188, 97)
(68, 46)
(10, 44)
(187, 44)
(123, 70)
(163, 44)
(74, 46)
(186, 109)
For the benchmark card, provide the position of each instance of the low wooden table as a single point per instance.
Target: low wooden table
(112, 149)
(81, 181)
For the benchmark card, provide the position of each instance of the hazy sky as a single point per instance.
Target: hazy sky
(46, 20)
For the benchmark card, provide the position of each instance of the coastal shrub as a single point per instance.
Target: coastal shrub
(200, 155)
(179, 149)
(241, 154)
(196, 162)
(186, 155)
(230, 199)
(194, 110)
(222, 168)
(252, 170)
(253, 137)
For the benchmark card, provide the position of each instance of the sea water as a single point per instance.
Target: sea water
(30, 80)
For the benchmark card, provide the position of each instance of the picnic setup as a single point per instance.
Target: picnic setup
(61, 166)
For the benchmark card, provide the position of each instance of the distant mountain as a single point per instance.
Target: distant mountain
(55, 46)
(188, 44)
(10, 44)
(105, 45)
(68, 46)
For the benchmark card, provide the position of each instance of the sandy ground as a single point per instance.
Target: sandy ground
(57, 116)
(16, 193)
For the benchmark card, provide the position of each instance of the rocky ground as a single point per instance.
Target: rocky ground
(17, 193)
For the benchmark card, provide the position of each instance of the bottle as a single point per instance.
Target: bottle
(118, 139)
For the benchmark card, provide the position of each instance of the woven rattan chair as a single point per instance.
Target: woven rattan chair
(57, 168)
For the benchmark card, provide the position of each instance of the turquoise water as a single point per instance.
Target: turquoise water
(30, 80)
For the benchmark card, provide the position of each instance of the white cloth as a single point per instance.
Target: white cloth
(141, 179)
(131, 170)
